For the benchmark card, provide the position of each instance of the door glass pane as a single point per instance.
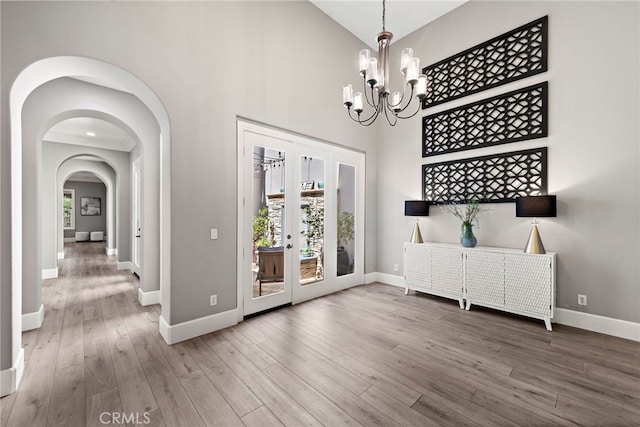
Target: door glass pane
(346, 218)
(268, 207)
(311, 220)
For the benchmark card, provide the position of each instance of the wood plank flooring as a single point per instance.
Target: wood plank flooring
(366, 356)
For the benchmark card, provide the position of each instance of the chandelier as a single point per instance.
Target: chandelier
(375, 78)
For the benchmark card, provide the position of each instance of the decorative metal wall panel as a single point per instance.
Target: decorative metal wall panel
(514, 116)
(495, 178)
(506, 58)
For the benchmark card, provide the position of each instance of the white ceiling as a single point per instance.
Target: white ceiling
(363, 18)
(107, 136)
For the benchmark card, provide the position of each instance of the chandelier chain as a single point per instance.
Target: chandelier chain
(384, 12)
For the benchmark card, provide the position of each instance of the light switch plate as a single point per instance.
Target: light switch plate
(214, 233)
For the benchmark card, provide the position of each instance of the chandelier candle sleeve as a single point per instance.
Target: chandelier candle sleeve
(347, 94)
(407, 54)
(364, 61)
(372, 72)
(421, 87)
(357, 102)
(413, 67)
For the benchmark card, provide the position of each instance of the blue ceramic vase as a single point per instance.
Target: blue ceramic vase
(467, 239)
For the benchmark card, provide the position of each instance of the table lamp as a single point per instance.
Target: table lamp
(416, 208)
(535, 207)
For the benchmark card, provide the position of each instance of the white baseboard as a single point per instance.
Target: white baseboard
(194, 328)
(148, 298)
(69, 239)
(124, 265)
(50, 273)
(593, 322)
(61, 255)
(10, 378)
(388, 279)
(33, 320)
(112, 251)
(370, 278)
(590, 322)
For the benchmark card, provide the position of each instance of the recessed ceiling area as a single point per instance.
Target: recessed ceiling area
(84, 177)
(364, 18)
(90, 132)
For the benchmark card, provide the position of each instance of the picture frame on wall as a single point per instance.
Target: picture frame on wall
(90, 206)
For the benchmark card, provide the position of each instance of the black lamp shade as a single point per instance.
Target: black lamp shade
(536, 206)
(416, 208)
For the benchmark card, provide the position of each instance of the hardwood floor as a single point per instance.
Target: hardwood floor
(366, 356)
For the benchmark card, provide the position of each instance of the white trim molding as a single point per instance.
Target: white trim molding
(194, 328)
(593, 322)
(50, 273)
(112, 251)
(388, 279)
(10, 378)
(33, 320)
(61, 255)
(124, 265)
(69, 239)
(148, 298)
(590, 322)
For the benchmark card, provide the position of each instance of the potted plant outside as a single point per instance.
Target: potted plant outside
(346, 223)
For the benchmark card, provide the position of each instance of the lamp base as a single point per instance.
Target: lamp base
(534, 244)
(416, 236)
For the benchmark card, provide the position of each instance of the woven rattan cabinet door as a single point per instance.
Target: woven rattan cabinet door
(528, 283)
(446, 270)
(417, 265)
(485, 277)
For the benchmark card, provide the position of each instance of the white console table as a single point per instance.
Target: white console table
(503, 279)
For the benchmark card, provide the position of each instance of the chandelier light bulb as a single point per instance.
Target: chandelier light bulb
(421, 87)
(364, 60)
(372, 72)
(347, 95)
(413, 70)
(396, 98)
(357, 102)
(407, 54)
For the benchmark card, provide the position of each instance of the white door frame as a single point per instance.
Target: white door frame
(333, 155)
(136, 217)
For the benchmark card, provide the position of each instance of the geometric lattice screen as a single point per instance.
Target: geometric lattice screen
(495, 178)
(508, 57)
(514, 116)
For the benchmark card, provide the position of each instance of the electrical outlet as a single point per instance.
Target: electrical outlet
(582, 299)
(214, 233)
(213, 300)
(395, 267)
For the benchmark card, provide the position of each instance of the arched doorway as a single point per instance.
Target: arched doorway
(107, 76)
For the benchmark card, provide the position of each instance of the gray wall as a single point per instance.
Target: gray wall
(89, 189)
(593, 149)
(266, 67)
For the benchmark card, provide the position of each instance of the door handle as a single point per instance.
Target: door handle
(138, 236)
(289, 246)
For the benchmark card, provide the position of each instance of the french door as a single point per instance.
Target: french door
(301, 218)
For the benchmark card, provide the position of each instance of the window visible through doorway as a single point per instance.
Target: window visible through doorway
(68, 203)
